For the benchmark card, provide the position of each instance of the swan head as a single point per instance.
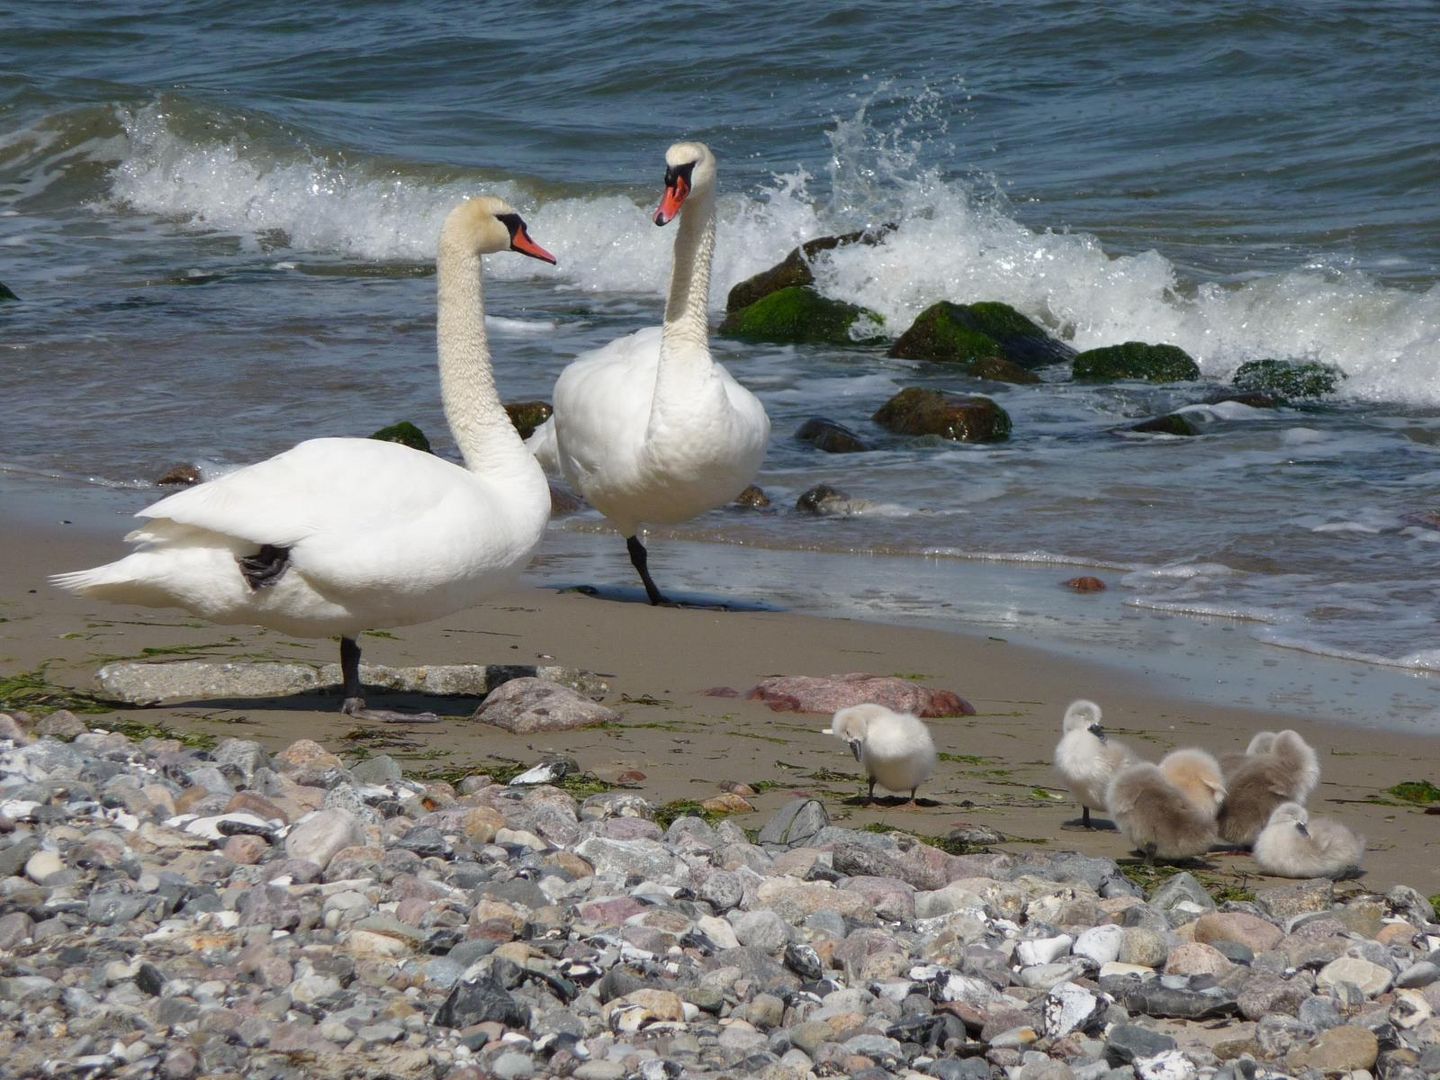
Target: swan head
(852, 725)
(1083, 714)
(689, 167)
(1289, 813)
(485, 225)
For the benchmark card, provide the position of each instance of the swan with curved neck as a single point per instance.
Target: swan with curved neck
(649, 428)
(337, 535)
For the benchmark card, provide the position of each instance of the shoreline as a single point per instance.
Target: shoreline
(660, 663)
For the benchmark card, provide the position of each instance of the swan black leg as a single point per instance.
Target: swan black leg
(640, 560)
(1085, 817)
(870, 795)
(354, 704)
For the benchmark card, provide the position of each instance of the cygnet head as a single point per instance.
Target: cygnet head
(689, 168)
(852, 724)
(1261, 743)
(485, 224)
(1290, 813)
(1083, 715)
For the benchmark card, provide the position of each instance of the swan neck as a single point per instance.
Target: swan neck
(687, 308)
(477, 418)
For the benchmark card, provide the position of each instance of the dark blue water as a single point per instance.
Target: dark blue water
(219, 218)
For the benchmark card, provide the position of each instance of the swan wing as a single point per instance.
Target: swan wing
(602, 404)
(351, 486)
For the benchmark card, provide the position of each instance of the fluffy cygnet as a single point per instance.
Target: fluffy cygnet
(1086, 759)
(1168, 810)
(1260, 743)
(1293, 844)
(895, 749)
(1198, 777)
(1287, 772)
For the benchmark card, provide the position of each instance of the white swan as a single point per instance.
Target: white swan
(895, 749)
(649, 428)
(335, 536)
(1086, 760)
(1293, 844)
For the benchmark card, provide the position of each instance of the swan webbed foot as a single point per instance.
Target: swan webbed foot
(355, 707)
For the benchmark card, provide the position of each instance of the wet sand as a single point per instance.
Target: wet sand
(660, 663)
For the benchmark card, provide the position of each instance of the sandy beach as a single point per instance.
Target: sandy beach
(660, 665)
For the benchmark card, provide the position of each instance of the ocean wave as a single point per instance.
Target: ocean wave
(955, 239)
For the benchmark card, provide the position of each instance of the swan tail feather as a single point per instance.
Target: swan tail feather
(543, 445)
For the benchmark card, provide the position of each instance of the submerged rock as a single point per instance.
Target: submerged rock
(406, 434)
(800, 315)
(960, 417)
(179, 476)
(1135, 360)
(832, 438)
(528, 415)
(1169, 424)
(794, 269)
(752, 498)
(1288, 378)
(6, 293)
(822, 500)
(989, 340)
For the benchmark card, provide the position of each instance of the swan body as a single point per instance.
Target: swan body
(649, 428)
(895, 749)
(1260, 743)
(1160, 808)
(1293, 844)
(1086, 759)
(337, 535)
(1287, 772)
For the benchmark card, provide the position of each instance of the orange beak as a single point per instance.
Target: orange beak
(520, 241)
(671, 201)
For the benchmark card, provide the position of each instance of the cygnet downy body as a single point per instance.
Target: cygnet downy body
(1168, 810)
(1086, 759)
(1293, 844)
(1260, 743)
(1287, 772)
(895, 749)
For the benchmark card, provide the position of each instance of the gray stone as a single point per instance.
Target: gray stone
(1420, 973)
(526, 705)
(477, 1001)
(319, 836)
(1155, 999)
(1182, 889)
(1139, 945)
(380, 769)
(1371, 978)
(198, 680)
(1125, 1043)
(795, 823)
(765, 930)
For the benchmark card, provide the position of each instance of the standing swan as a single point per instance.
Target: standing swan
(895, 749)
(1086, 759)
(338, 535)
(650, 427)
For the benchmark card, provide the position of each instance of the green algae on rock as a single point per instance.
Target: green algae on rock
(1136, 360)
(794, 269)
(528, 415)
(961, 417)
(1288, 378)
(406, 434)
(990, 340)
(800, 315)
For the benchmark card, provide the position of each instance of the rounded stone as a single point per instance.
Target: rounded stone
(1143, 946)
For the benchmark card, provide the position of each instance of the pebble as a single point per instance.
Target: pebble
(292, 907)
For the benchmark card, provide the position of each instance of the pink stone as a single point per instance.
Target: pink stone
(815, 694)
(1238, 926)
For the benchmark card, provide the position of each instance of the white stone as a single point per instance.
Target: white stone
(1034, 951)
(1371, 979)
(1067, 1007)
(42, 864)
(319, 836)
(718, 930)
(1099, 943)
(1114, 967)
(1170, 1065)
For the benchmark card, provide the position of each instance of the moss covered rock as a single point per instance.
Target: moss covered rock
(830, 437)
(794, 269)
(6, 293)
(962, 417)
(406, 434)
(528, 415)
(1169, 424)
(990, 340)
(1136, 360)
(800, 315)
(1288, 379)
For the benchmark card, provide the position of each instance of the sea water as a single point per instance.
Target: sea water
(221, 219)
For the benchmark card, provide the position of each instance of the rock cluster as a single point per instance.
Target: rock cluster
(172, 912)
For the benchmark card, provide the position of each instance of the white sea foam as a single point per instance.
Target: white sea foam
(953, 241)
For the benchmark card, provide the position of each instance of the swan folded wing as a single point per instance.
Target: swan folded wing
(347, 485)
